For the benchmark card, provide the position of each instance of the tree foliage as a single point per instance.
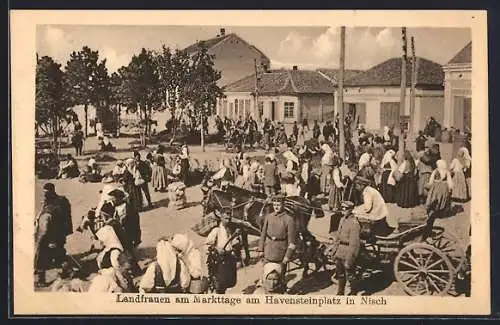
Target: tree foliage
(49, 106)
(84, 79)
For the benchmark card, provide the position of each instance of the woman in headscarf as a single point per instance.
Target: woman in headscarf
(167, 274)
(159, 178)
(458, 167)
(272, 279)
(425, 165)
(184, 163)
(337, 186)
(131, 179)
(118, 170)
(440, 185)
(406, 191)
(387, 136)
(191, 256)
(387, 183)
(252, 181)
(326, 167)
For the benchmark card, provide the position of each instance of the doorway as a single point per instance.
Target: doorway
(273, 110)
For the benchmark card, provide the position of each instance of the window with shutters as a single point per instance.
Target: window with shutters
(236, 110)
(289, 109)
(242, 107)
(261, 108)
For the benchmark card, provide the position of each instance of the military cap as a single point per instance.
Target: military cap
(49, 187)
(278, 198)
(347, 206)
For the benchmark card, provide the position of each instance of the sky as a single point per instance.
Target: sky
(306, 47)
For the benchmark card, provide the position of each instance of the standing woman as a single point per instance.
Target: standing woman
(326, 167)
(336, 187)
(425, 169)
(132, 177)
(458, 167)
(440, 186)
(406, 195)
(387, 183)
(184, 163)
(159, 173)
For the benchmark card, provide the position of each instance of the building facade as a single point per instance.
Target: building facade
(234, 57)
(283, 95)
(374, 95)
(458, 90)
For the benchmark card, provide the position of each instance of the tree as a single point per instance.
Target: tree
(49, 108)
(116, 96)
(142, 87)
(81, 81)
(202, 90)
(173, 70)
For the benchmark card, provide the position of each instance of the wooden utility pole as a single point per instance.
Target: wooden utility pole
(340, 94)
(402, 99)
(256, 108)
(413, 83)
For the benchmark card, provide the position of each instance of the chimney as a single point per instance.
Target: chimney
(295, 68)
(222, 32)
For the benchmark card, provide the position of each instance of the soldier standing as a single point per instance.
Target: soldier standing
(278, 236)
(348, 249)
(53, 225)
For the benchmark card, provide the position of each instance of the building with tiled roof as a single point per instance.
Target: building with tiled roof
(374, 95)
(283, 95)
(457, 90)
(235, 58)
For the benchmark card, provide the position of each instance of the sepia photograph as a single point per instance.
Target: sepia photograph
(253, 165)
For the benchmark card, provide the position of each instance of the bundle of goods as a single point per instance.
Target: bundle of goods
(177, 195)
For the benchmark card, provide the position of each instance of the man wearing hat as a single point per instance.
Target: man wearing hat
(53, 224)
(348, 240)
(278, 235)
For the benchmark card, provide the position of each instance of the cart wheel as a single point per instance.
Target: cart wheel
(448, 243)
(423, 270)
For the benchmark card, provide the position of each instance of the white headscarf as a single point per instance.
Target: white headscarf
(166, 258)
(442, 171)
(388, 157)
(466, 160)
(105, 281)
(189, 254)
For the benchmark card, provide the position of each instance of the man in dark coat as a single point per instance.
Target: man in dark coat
(278, 235)
(316, 130)
(146, 173)
(348, 238)
(53, 225)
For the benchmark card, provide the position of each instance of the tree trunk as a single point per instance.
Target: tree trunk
(202, 134)
(86, 109)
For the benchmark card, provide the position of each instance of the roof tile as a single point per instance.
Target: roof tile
(388, 73)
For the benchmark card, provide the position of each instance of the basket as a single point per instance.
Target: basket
(205, 226)
(198, 286)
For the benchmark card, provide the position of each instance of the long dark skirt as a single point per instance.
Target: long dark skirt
(406, 192)
(386, 190)
(135, 196)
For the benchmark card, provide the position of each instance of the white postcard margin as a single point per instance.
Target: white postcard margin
(23, 63)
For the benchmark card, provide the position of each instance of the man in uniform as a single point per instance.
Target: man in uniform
(348, 249)
(278, 235)
(53, 224)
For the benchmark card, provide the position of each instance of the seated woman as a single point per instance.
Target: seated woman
(92, 172)
(272, 279)
(167, 274)
(113, 276)
(119, 170)
(68, 168)
(191, 256)
(105, 145)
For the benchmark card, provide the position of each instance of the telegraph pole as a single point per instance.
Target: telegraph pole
(413, 84)
(340, 95)
(256, 108)
(402, 100)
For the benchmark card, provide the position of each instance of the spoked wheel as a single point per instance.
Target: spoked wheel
(423, 270)
(448, 243)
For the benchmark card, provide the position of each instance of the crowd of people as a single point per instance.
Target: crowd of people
(377, 175)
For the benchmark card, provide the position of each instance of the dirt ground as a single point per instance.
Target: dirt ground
(164, 221)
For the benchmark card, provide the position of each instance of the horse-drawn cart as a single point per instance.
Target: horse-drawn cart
(423, 258)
